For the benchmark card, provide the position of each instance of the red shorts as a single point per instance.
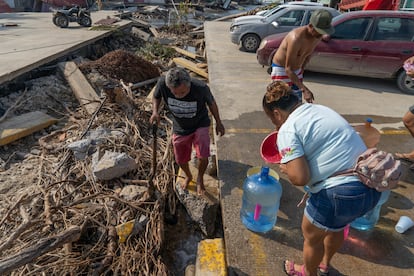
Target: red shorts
(183, 145)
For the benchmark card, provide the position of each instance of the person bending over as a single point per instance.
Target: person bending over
(316, 142)
(295, 50)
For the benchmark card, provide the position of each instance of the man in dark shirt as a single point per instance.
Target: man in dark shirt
(187, 99)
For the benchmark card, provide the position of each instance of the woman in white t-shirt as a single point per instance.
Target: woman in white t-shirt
(315, 142)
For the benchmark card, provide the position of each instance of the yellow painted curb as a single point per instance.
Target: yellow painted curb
(211, 260)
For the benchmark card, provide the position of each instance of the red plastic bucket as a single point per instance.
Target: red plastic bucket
(269, 150)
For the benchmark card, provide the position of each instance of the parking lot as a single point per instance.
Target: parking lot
(238, 83)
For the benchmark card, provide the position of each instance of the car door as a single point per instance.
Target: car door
(342, 52)
(390, 44)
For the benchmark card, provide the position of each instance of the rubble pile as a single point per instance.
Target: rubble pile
(87, 195)
(121, 64)
(81, 197)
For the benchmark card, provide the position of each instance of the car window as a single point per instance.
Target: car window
(291, 18)
(391, 28)
(352, 29)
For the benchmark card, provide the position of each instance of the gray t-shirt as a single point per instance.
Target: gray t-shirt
(190, 112)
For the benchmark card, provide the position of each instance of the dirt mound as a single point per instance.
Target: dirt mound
(121, 64)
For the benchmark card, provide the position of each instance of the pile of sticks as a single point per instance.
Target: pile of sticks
(64, 222)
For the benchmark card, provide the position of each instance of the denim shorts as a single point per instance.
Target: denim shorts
(333, 208)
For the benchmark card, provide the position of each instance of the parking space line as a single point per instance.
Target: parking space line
(268, 130)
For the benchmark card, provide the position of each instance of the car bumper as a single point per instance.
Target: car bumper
(235, 38)
(263, 56)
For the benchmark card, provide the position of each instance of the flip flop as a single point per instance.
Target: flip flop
(403, 156)
(325, 269)
(292, 271)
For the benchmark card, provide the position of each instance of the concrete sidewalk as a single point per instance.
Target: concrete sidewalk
(30, 40)
(238, 84)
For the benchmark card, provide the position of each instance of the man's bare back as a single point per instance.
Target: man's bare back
(295, 49)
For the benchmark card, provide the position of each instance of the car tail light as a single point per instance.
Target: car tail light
(262, 44)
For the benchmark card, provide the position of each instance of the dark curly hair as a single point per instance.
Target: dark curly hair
(279, 95)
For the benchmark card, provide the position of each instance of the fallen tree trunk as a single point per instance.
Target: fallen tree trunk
(41, 247)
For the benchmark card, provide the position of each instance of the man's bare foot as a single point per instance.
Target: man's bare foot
(405, 156)
(201, 190)
(185, 183)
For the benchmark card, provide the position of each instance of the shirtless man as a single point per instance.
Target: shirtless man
(295, 50)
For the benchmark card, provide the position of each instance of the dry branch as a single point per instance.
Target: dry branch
(41, 247)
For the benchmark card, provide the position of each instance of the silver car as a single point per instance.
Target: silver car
(251, 31)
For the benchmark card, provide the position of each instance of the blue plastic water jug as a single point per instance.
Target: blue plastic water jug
(370, 219)
(260, 202)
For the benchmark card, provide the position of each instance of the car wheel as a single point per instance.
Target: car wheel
(250, 43)
(405, 83)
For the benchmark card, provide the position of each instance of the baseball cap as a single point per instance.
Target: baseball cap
(321, 21)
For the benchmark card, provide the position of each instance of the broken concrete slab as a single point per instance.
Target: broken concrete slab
(47, 42)
(20, 126)
(140, 33)
(82, 89)
(202, 209)
(112, 165)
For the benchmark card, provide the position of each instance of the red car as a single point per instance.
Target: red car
(365, 43)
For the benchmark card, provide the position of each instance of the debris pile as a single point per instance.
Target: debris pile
(121, 64)
(81, 196)
(87, 200)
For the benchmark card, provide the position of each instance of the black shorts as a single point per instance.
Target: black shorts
(411, 108)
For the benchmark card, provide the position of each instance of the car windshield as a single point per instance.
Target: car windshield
(336, 18)
(272, 11)
(274, 16)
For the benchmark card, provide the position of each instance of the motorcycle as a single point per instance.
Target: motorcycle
(62, 17)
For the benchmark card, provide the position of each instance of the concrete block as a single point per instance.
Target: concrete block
(113, 165)
(211, 258)
(20, 126)
(202, 209)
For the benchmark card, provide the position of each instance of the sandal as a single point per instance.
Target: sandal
(292, 271)
(325, 269)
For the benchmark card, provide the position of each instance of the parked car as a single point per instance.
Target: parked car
(281, 6)
(264, 13)
(365, 43)
(249, 32)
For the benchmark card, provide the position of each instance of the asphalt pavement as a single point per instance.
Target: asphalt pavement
(238, 83)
